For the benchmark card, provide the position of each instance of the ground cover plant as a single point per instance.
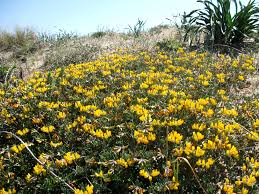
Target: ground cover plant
(132, 121)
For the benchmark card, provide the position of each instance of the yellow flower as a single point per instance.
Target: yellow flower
(155, 173)
(244, 190)
(71, 157)
(210, 145)
(2, 92)
(199, 127)
(209, 162)
(144, 86)
(221, 92)
(9, 191)
(256, 124)
(22, 132)
(99, 113)
(78, 191)
(253, 136)
(232, 152)
(39, 169)
(61, 115)
(19, 148)
(197, 136)
(229, 189)
(250, 181)
(15, 149)
(61, 163)
(174, 137)
(144, 173)
(174, 184)
(221, 77)
(199, 152)
(140, 136)
(175, 122)
(241, 77)
(52, 144)
(151, 136)
(48, 129)
(100, 174)
(238, 182)
(208, 113)
(229, 112)
(188, 148)
(28, 177)
(244, 168)
(205, 83)
(122, 162)
(89, 189)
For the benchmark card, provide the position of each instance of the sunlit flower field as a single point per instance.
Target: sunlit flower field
(132, 122)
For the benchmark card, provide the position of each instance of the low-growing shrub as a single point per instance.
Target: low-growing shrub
(136, 122)
(158, 29)
(70, 53)
(169, 44)
(21, 40)
(98, 34)
(3, 72)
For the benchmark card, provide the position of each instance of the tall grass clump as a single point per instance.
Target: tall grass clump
(62, 36)
(132, 122)
(21, 41)
(137, 29)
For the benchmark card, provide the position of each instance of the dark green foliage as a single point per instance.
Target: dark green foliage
(3, 72)
(98, 34)
(169, 44)
(223, 27)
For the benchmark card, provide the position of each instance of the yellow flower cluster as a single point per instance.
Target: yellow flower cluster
(22, 132)
(203, 163)
(174, 137)
(47, 129)
(89, 189)
(9, 191)
(19, 148)
(148, 175)
(70, 157)
(39, 169)
(134, 111)
(174, 184)
(141, 112)
(141, 137)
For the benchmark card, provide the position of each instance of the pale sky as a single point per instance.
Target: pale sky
(86, 16)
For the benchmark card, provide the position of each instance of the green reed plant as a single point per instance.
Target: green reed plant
(221, 26)
(137, 29)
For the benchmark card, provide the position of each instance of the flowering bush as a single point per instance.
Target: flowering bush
(138, 122)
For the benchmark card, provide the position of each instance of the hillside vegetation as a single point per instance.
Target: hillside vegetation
(172, 109)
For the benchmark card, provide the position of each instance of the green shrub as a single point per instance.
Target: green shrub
(98, 34)
(169, 44)
(223, 28)
(69, 53)
(3, 72)
(22, 40)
